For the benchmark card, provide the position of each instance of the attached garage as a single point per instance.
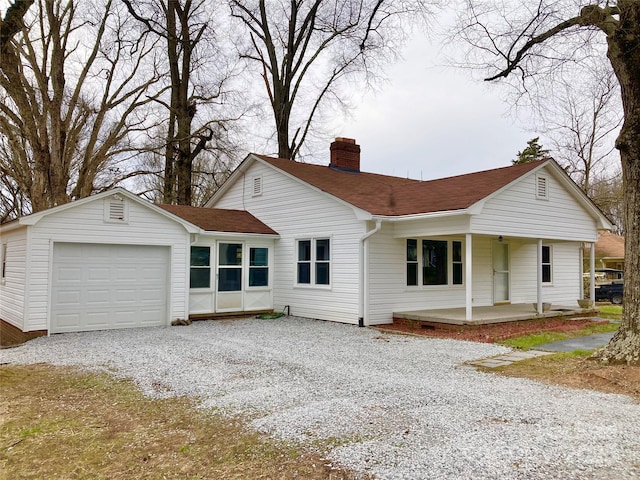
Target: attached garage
(114, 260)
(98, 286)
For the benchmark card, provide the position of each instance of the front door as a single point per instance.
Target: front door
(229, 278)
(501, 290)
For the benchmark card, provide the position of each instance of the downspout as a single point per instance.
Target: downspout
(364, 271)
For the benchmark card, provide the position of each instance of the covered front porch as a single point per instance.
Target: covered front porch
(489, 314)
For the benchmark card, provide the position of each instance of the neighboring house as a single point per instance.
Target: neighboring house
(330, 242)
(609, 251)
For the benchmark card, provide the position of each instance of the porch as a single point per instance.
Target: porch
(489, 314)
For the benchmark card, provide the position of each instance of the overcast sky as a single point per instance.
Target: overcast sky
(431, 121)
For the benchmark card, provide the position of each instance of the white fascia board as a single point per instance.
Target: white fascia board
(36, 217)
(228, 183)
(12, 225)
(236, 235)
(418, 216)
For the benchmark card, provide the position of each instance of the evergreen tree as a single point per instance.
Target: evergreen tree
(533, 152)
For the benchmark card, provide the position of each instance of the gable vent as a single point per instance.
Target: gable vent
(115, 209)
(542, 188)
(257, 186)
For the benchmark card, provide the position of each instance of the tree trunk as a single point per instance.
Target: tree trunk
(624, 54)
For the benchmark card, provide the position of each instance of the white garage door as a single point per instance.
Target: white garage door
(97, 286)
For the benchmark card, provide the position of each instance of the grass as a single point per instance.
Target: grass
(526, 342)
(61, 423)
(613, 312)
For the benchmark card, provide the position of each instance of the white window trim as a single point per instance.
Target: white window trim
(545, 179)
(248, 266)
(202, 267)
(313, 261)
(550, 282)
(449, 283)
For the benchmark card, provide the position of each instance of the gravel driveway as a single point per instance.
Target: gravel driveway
(397, 407)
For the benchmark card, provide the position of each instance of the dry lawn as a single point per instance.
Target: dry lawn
(60, 423)
(577, 371)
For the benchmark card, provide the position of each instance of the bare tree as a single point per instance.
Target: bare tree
(606, 191)
(581, 116)
(510, 44)
(12, 23)
(186, 28)
(305, 49)
(71, 89)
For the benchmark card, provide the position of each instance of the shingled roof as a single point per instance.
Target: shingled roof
(395, 196)
(220, 220)
(609, 245)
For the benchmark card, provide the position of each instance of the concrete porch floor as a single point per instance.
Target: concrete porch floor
(491, 314)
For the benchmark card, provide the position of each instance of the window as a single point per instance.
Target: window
(456, 262)
(542, 188)
(546, 264)
(229, 267)
(322, 261)
(3, 259)
(258, 267)
(434, 262)
(412, 261)
(314, 262)
(304, 261)
(200, 272)
(441, 262)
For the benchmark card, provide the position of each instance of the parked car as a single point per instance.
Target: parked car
(611, 292)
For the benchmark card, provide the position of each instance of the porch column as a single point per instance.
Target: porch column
(468, 257)
(592, 274)
(539, 277)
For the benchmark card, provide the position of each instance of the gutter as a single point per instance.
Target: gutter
(364, 283)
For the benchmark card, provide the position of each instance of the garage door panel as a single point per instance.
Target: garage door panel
(101, 286)
(98, 297)
(98, 320)
(68, 274)
(97, 274)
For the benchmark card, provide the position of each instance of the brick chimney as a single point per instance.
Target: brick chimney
(345, 154)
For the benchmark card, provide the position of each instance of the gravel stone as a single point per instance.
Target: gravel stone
(392, 406)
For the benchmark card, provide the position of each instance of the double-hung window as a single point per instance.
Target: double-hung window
(258, 267)
(200, 270)
(313, 262)
(546, 264)
(434, 262)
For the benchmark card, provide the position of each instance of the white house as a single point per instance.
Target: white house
(330, 242)
(356, 247)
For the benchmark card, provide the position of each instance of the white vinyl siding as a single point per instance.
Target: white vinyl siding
(86, 223)
(564, 290)
(516, 212)
(297, 211)
(13, 286)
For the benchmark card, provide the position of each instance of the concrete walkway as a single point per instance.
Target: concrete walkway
(590, 342)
